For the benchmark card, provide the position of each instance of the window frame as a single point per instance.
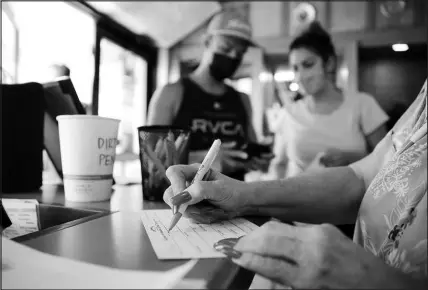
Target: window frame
(141, 45)
(119, 35)
(9, 13)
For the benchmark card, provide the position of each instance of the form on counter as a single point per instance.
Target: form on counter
(23, 215)
(189, 240)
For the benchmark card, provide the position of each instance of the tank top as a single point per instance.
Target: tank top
(211, 117)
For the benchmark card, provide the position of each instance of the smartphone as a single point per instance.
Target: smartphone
(257, 150)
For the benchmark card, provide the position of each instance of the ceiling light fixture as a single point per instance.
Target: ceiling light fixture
(400, 47)
(284, 76)
(294, 87)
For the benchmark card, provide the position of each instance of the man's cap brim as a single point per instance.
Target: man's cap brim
(236, 34)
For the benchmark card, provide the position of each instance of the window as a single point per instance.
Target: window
(122, 95)
(8, 46)
(55, 33)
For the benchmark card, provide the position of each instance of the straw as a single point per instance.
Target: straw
(170, 150)
(155, 161)
(158, 149)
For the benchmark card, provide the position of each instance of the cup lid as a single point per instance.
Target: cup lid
(80, 117)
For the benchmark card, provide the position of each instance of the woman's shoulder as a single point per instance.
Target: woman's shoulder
(360, 100)
(358, 96)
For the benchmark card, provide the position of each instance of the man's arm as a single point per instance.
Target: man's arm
(165, 104)
(250, 129)
(331, 195)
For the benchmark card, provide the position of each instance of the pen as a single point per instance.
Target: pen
(203, 169)
(415, 138)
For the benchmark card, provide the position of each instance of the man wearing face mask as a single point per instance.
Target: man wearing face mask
(212, 109)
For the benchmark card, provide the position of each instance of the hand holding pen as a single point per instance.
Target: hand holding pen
(203, 169)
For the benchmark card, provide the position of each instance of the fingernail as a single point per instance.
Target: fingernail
(230, 242)
(181, 198)
(207, 175)
(228, 251)
(174, 209)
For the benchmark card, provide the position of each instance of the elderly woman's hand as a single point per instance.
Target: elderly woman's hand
(313, 256)
(216, 198)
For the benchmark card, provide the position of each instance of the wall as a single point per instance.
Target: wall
(394, 79)
(274, 21)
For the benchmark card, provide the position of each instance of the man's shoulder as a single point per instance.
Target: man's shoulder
(174, 86)
(245, 99)
(171, 90)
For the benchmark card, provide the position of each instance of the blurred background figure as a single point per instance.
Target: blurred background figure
(323, 125)
(206, 104)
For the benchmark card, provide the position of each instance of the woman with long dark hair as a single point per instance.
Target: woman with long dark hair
(325, 125)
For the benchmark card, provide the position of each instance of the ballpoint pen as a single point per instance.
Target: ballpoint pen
(415, 138)
(203, 169)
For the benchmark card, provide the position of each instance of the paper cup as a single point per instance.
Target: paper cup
(88, 151)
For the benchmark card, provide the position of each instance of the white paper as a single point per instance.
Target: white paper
(23, 215)
(26, 268)
(189, 240)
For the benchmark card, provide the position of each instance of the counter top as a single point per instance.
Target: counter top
(119, 240)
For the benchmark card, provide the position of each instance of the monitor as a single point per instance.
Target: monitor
(60, 99)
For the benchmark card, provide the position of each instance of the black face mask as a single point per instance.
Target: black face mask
(223, 67)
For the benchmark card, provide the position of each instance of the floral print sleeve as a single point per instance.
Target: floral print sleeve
(392, 221)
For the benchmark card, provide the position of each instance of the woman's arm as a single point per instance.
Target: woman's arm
(331, 195)
(375, 137)
(252, 136)
(373, 120)
(278, 165)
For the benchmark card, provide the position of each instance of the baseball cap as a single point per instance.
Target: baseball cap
(230, 23)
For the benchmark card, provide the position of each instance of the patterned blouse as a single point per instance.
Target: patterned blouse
(392, 221)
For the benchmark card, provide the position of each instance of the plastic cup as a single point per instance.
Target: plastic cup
(88, 151)
(160, 147)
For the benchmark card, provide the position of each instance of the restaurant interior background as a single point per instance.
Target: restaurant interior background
(120, 52)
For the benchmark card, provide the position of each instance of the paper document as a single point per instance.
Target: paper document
(23, 215)
(26, 268)
(189, 240)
